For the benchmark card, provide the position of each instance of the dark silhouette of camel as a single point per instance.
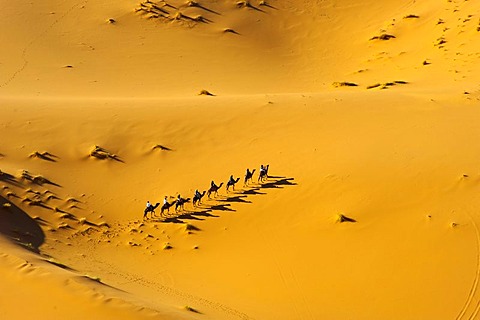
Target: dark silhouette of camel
(150, 209)
(263, 175)
(214, 189)
(248, 176)
(197, 199)
(180, 203)
(232, 183)
(167, 206)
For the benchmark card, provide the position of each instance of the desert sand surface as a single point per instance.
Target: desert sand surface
(366, 113)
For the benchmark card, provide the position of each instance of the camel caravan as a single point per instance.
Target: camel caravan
(179, 202)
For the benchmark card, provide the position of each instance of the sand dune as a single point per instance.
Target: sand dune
(364, 111)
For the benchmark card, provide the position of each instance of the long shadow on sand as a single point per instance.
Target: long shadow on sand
(224, 203)
(8, 178)
(194, 215)
(19, 227)
(253, 192)
(278, 183)
(47, 156)
(222, 207)
(238, 199)
(38, 180)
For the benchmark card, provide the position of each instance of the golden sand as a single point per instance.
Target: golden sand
(365, 111)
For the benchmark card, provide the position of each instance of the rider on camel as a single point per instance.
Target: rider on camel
(197, 194)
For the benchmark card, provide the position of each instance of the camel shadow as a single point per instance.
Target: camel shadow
(277, 177)
(222, 207)
(190, 216)
(278, 183)
(253, 192)
(19, 227)
(239, 199)
(175, 220)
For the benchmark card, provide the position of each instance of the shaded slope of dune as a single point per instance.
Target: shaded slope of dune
(19, 226)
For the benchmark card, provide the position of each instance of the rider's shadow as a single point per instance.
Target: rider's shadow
(222, 207)
(278, 183)
(178, 219)
(191, 216)
(239, 199)
(253, 192)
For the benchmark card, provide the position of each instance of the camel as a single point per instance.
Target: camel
(248, 176)
(167, 206)
(214, 189)
(150, 209)
(263, 173)
(180, 203)
(197, 199)
(232, 182)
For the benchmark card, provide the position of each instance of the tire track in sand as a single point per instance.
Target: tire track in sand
(473, 289)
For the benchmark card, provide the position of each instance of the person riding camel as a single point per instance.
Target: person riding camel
(213, 185)
(149, 205)
(165, 201)
(197, 194)
(231, 182)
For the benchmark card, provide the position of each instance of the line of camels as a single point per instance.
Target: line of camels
(213, 190)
